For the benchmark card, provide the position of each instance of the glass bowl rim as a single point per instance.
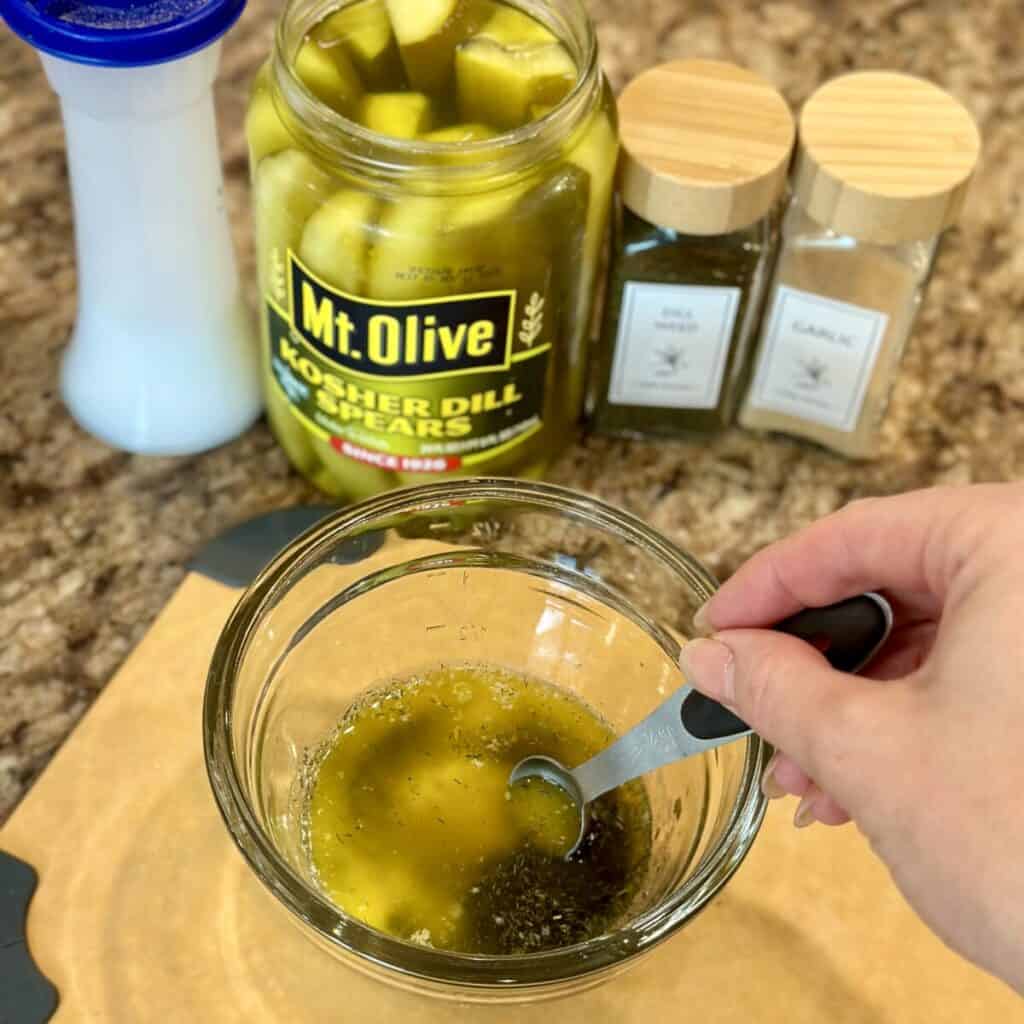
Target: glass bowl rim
(347, 935)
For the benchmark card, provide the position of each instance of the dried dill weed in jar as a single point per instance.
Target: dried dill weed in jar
(883, 165)
(705, 150)
(431, 182)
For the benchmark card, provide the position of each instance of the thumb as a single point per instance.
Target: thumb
(786, 691)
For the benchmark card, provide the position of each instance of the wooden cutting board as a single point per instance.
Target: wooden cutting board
(146, 912)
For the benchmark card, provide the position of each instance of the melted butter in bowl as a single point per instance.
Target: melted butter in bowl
(412, 828)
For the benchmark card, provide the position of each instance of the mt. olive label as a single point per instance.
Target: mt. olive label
(427, 385)
(418, 338)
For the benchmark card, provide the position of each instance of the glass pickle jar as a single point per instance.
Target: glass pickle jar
(706, 146)
(431, 187)
(882, 168)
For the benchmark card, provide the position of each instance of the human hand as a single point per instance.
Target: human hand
(924, 751)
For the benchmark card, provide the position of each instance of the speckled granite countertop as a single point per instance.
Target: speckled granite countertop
(92, 541)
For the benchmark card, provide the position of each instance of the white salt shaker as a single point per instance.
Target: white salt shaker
(162, 360)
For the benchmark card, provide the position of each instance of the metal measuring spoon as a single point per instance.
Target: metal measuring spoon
(849, 633)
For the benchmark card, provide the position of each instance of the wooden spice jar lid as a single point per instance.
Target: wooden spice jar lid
(705, 146)
(884, 157)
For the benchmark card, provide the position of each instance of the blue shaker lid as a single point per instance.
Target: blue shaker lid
(120, 33)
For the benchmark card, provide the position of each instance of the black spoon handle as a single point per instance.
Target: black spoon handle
(25, 995)
(849, 634)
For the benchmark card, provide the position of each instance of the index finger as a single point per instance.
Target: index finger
(909, 545)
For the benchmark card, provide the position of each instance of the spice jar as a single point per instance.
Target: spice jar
(431, 187)
(706, 147)
(883, 164)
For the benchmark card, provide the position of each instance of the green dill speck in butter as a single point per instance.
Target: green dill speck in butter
(413, 829)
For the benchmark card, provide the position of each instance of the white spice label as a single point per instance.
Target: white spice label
(672, 345)
(817, 358)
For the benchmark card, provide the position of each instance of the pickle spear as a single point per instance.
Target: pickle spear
(291, 435)
(537, 254)
(345, 478)
(289, 187)
(430, 246)
(336, 240)
(329, 76)
(428, 32)
(455, 154)
(498, 85)
(284, 425)
(363, 32)
(595, 153)
(484, 214)
(433, 246)
(264, 129)
(402, 115)
(468, 132)
(406, 253)
(513, 28)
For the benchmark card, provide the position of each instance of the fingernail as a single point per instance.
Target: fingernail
(708, 665)
(769, 784)
(701, 625)
(804, 814)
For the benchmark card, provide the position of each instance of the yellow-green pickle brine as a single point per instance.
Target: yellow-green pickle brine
(431, 181)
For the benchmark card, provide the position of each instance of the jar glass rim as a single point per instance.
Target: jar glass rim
(352, 146)
(569, 963)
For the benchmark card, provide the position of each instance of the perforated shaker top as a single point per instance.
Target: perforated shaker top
(120, 33)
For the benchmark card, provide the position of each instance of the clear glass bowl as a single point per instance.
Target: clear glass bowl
(540, 579)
